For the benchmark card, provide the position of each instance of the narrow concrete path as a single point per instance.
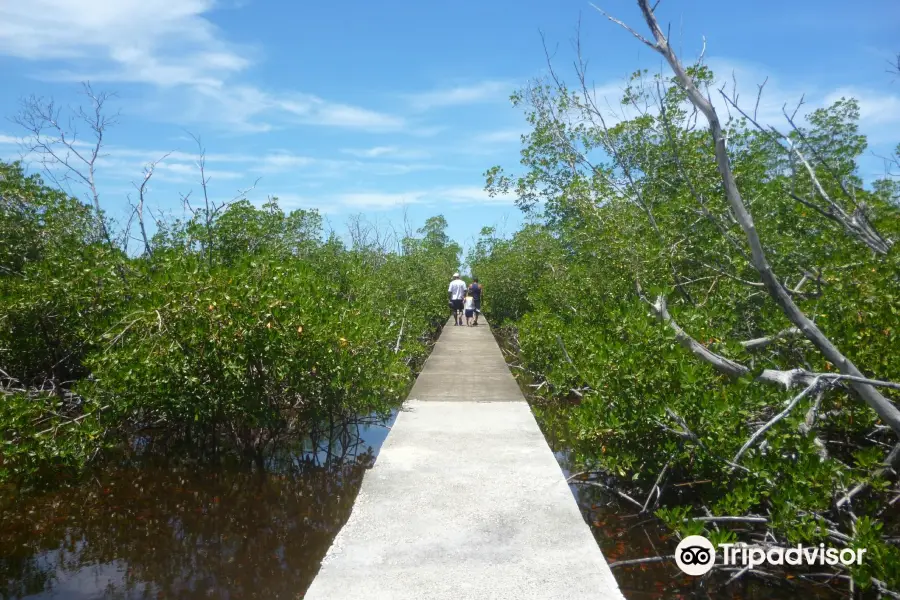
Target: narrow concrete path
(466, 499)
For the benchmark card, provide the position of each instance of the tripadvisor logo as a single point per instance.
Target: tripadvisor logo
(695, 555)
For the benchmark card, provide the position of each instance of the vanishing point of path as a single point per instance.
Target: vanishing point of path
(466, 499)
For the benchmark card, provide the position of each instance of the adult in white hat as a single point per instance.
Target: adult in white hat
(457, 293)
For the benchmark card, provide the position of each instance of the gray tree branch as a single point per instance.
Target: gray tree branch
(881, 405)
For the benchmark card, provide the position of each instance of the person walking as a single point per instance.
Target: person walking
(475, 289)
(469, 307)
(457, 293)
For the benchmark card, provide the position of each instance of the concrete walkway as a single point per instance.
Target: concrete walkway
(465, 500)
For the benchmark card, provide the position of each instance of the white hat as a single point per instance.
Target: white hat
(456, 274)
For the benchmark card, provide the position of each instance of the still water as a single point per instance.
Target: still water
(154, 528)
(624, 535)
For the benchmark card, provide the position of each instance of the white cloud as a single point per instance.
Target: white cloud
(386, 151)
(372, 152)
(282, 162)
(183, 166)
(171, 46)
(485, 91)
(316, 111)
(500, 136)
(342, 115)
(275, 163)
(147, 156)
(378, 200)
(180, 172)
(154, 41)
(426, 131)
(464, 195)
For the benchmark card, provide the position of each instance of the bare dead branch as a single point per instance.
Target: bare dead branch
(881, 405)
(139, 209)
(58, 145)
(655, 488)
(891, 462)
(759, 432)
(641, 561)
(607, 488)
(719, 363)
(808, 425)
(760, 343)
(803, 377)
(625, 27)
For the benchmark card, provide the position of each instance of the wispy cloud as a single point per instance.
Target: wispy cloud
(177, 172)
(283, 162)
(459, 195)
(387, 152)
(180, 166)
(378, 200)
(152, 41)
(173, 47)
(473, 195)
(485, 91)
(313, 110)
(500, 136)
(292, 201)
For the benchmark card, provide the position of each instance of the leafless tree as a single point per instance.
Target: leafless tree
(365, 235)
(54, 139)
(142, 196)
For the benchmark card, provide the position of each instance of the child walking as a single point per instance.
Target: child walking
(469, 307)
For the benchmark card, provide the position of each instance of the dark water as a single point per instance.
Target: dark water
(154, 528)
(159, 528)
(623, 534)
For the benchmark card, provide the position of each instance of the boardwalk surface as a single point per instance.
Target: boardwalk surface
(466, 500)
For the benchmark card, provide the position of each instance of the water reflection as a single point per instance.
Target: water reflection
(154, 528)
(622, 534)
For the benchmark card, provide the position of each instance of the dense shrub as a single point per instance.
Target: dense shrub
(234, 327)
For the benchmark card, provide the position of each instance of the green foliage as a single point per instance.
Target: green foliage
(58, 281)
(40, 444)
(637, 210)
(236, 326)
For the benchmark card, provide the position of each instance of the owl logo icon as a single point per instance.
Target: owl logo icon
(695, 555)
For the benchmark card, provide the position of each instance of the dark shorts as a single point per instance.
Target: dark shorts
(456, 304)
(470, 312)
(477, 304)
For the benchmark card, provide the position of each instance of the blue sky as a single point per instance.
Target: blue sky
(397, 107)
